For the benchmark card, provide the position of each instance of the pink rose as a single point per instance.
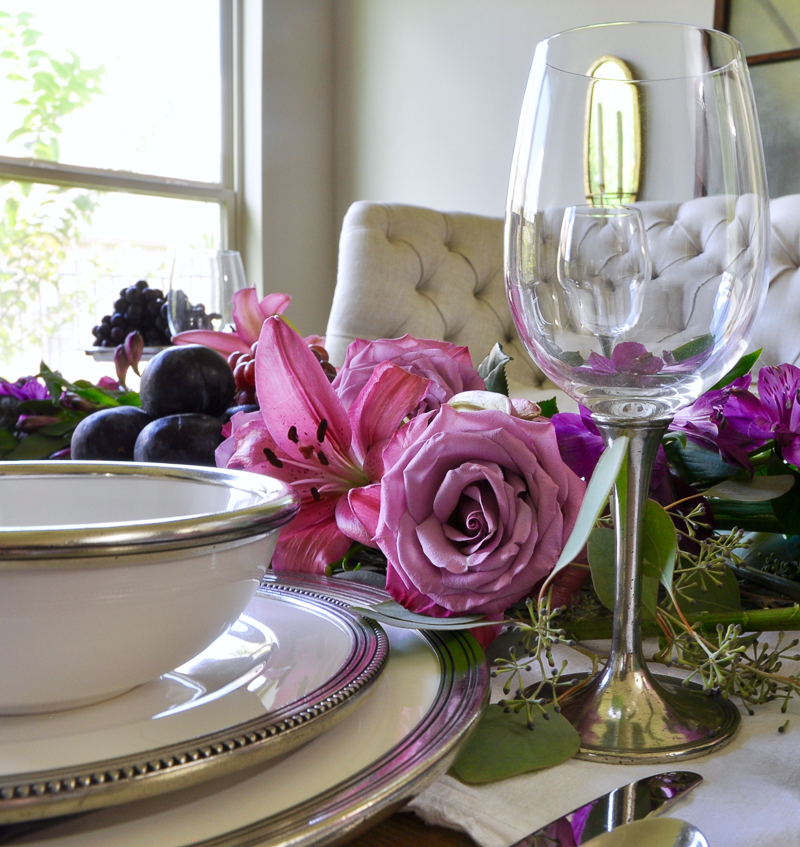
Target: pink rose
(475, 509)
(448, 366)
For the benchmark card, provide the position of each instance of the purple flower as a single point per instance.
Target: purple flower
(628, 357)
(25, 388)
(447, 366)
(778, 389)
(730, 420)
(475, 509)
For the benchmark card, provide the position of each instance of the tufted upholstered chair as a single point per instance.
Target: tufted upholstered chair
(404, 269)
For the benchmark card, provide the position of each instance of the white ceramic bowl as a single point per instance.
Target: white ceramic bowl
(113, 573)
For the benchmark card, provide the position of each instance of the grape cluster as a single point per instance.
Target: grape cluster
(138, 307)
(243, 366)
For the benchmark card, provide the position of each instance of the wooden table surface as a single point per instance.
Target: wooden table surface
(404, 829)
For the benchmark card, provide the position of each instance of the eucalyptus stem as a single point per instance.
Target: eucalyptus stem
(757, 620)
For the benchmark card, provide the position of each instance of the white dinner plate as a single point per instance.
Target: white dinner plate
(292, 665)
(400, 739)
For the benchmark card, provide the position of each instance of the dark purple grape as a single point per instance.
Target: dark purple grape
(148, 295)
(106, 319)
(134, 314)
(120, 305)
(118, 334)
(159, 293)
(141, 284)
(154, 307)
(117, 320)
(132, 293)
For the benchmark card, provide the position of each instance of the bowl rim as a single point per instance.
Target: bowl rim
(65, 546)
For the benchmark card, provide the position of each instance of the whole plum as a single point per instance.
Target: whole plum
(180, 440)
(186, 379)
(109, 434)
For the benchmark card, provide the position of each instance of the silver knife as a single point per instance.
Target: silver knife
(654, 832)
(632, 802)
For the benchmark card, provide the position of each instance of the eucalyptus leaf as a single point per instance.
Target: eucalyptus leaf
(597, 491)
(602, 562)
(756, 490)
(392, 613)
(695, 464)
(502, 746)
(693, 348)
(660, 542)
(493, 370)
(707, 596)
(37, 446)
(743, 366)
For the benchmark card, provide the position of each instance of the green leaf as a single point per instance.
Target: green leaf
(659, 543)
(548, 407)
(743, 366)
(493, 370)
(751, 517)
(502, 746)
(7, 441)
(393, 614)
(594, 500)
(693, 348)
(695, 464)
(37, 446)
(714, 598)
(755, 490)
(602, 562)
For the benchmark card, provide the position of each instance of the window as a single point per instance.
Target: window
(117, 137)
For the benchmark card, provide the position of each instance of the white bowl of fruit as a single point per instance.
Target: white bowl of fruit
(114, 573)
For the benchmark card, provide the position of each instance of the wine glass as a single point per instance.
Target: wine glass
(201, 289)
(636, 236)
(602, 268)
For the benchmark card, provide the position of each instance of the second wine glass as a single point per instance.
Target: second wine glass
(201, 289)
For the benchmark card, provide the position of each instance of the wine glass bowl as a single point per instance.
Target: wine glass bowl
(636, 237)
(201, 289)
(602, 266)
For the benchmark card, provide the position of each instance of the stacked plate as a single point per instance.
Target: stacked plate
(297, 725)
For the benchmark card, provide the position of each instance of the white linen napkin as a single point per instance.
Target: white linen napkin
(750, 795)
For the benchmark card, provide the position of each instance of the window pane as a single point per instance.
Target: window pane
(65, 254)
(134, 87)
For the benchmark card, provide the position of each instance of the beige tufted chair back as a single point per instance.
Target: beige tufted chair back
(404, 269)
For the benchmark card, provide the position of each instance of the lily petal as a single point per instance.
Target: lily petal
(223, 342)
(247, 314)
(274, 304)
(357, 513)
(304, 414)
(390, 394)
(311, 549)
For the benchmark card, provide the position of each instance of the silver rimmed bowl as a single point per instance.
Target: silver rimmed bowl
(113, 573)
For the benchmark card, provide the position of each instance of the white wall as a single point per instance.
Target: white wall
(412, 101)
(428, 92)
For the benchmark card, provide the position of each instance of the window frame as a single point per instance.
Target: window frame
(225, 192)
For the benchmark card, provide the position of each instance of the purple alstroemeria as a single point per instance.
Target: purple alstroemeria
(249, 315)
(25, 388)
(730, 420)
(580, 445)
(628, 357)
(778, 388)
(332, 456)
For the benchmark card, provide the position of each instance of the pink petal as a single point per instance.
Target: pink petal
(388, 397)
(311, 549)
(299, 407)
(357, 513)
(223, 342)
(247, 315)
(274, 304)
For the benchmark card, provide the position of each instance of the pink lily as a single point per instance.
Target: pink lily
(248, 317)
(332, 456)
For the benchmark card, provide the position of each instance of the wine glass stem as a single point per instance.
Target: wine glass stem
(629, 503)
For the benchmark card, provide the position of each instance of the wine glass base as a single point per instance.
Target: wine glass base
(641, 718)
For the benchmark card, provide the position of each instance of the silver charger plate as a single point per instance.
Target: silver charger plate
(291, 667)
(402, 737)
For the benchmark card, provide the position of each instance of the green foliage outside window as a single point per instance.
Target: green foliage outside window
(39, 223)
